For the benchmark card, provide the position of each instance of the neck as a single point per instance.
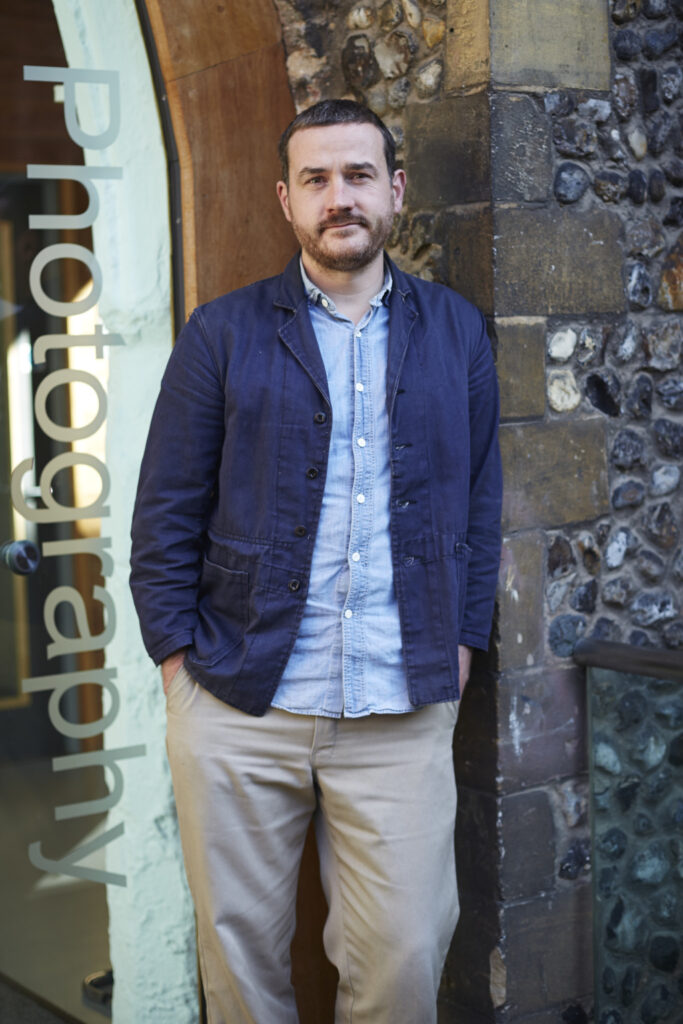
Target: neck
(350, 290)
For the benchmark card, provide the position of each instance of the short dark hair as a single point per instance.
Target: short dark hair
(328, 112)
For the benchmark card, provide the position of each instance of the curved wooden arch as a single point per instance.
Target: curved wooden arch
(224, 70)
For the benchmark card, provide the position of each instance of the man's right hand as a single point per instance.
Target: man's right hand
(170, 666)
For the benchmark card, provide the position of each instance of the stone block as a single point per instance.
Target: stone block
(551, 45)
(467, 45)
(528, 838)
(548, 951)
(557, 261)
(448, 152)
(542, 727)
(555, 473)
(466, 237)
(521, 150)
(521, 368)
(520, 599)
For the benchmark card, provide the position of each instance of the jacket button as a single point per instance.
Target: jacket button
(408, 559)
(294, 585)
(320, 417)
(300, 531)
(312, 473)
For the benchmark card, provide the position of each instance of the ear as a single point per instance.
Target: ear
(398, 187)
(283, 196)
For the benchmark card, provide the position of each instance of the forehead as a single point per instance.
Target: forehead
(334, 143)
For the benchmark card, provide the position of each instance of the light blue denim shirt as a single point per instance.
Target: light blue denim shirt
(347, 657)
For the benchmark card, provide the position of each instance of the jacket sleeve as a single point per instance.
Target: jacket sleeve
(486, 491)
(178, 477)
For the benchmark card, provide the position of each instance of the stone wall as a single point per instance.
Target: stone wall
(542, 144)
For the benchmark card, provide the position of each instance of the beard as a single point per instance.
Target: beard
(339, 253)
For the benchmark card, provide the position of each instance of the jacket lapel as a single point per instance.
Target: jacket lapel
(297, 332)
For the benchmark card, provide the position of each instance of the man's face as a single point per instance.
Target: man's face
(340, 200)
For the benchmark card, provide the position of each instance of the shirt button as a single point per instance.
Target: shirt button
(359, 386)
(355, 556)
(325, 303)
(294, 585)
(361, 442)
(300, 531)
(320, 417)
(348, 613)
(312, 473)
(360, 498)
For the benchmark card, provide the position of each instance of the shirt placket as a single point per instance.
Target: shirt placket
(362, 497)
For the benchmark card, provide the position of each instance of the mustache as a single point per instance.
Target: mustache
(338, 219)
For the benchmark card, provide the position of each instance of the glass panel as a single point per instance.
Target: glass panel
(637, 804)
(54, 926)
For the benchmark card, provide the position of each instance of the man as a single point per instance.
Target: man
(316, 541)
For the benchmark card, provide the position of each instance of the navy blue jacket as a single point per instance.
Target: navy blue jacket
(232, 480)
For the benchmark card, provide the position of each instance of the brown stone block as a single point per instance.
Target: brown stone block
(557, 261)
(521, 369)
(542, 727)
(671, 285)
(554, 473)
(466, 237)
(548, 951)
(520, 600)
(549, 44)
(520, 144)
(467, 45)
(448, 152)
(528, 838)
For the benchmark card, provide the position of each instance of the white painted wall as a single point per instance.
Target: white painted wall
(151, 920)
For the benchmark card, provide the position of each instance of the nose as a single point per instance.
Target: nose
(338, 197)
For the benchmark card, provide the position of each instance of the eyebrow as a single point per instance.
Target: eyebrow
(363, 166)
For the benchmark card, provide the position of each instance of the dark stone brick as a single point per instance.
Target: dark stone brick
(608, 881)
(560, 557)
(527, 869)
(674, 171)
(626, 928)
(657, 786)
(576, 860)
(571, 182)
(651, 865)
(609, 186)
(664, 907)
(559, 104)
(584, 597)
(625, 10)
(618, 591)
(664, 953)
(575, 1014)
(455, 132)
(602, 391)
(612, 844)
(657, 186)
(625, 94)
(658, 41)
(630, 494)
(650, 565)
(522, 157)
(658, 132)
(358, 62)
(662, 344)
(627, 44)
(673, 635)
(657, 1005)
(520, 597)
(609, 981)
(651, 606)
(590, 556)
(628, 449)
(647, 79)
(672, 78)
(636, 188)
(631, 709)
(639, 398)
(655, 9)
(466, 238)
(565, 632)
(532, 952)
(670, 294)
(640, 639)
(642, 825)
(670, 392)
(661, 526)
(575, 137)
(629, 985)
(674, 216)
(610, 1017)
(676, 751)
(606, 629)
(670, 713)
(639, 286)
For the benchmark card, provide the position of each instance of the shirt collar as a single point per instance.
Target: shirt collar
(316, 296)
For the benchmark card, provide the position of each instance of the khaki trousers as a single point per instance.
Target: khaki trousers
(381, 791)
